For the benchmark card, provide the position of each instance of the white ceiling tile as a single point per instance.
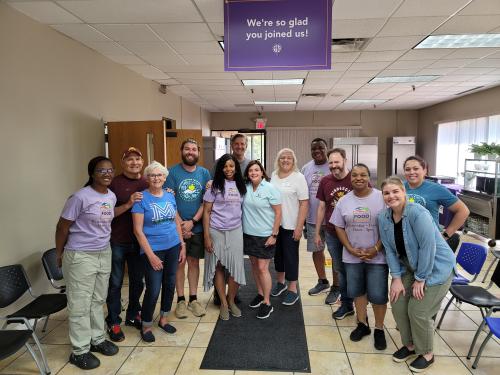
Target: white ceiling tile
(108, 48)
(485, 63)
(183, 32)
(453, 78)
(411, 64)
(289, 74)
(198, 48)
(126, 59)
(132, 11)
(425, 8)
(328, 74)
(288, 90)
(207, 59)
(212, 82)
(128, 32)
(148, 48)
(81, 32)
(379, 56)
(478, 7)
(471, 53)
(45, 12)
(469, 25)
(361, 9)
(455, 63)
(212, 10)
(344, 57)
(435, 71)
(148, 71)
(361, 73)
(217, 28)
(195, 68)
(356, 28)
(340, 67)
(472, 71)
(168, 82)
(376, 65)
(393, 43)
(401, 26)
(255, 75)
(398, 72)
(200, 76)
(423, 54)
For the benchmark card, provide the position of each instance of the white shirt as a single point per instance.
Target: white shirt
(293, 189)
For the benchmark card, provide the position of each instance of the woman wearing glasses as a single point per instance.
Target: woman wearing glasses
(82, 247)
(158, 230)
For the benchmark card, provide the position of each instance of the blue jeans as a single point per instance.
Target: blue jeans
(335, 249)
(370, 279)
(121, 253)
(163, 279)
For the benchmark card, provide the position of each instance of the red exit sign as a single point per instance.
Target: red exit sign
(260, 123)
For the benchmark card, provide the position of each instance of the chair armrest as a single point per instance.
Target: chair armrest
(17, 319)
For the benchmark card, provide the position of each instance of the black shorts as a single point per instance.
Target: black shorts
(255, 246)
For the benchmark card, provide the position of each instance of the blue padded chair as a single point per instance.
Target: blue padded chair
(471, 258)
(494, 326)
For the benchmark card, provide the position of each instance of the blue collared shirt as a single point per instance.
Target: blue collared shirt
(428, 253)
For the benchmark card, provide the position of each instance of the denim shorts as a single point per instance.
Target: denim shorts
(370, 279)
(311, 246)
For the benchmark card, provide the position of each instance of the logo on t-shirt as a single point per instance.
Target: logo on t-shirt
(162, 213)
(338, 193)
(106, 209)
(190, 190)
(361, 215)
(415, 198)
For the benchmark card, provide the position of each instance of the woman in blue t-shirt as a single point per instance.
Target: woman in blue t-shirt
(158, 231)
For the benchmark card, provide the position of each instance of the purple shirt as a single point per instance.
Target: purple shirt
(359, 218)
(313, 174)
(226, 210)
(91, 213)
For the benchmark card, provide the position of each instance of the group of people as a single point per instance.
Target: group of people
(158, 221)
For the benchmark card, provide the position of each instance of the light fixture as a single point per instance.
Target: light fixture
(364, 101)
(460, 41)
(221, 44)
(403, 79)
(274, 103)
(272, 82)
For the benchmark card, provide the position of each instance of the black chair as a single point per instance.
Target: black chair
(14, 283)
(479, 297)
(13, 340)
(54, 274)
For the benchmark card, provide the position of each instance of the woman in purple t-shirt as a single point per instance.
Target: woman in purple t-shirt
(355, 220)
(223, 234)
(82, 247)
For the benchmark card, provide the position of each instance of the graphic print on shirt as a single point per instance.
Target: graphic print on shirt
(315, 179)
(415, 198)
(361, 215)
(104, 213)
(361, 220)
(190, 190)
(162, 213)
(338, 193)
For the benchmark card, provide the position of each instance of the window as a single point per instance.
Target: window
(455, 138)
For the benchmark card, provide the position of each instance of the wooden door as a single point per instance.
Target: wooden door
(147, 136)
(174, 139)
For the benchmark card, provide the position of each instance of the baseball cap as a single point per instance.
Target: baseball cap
(131, 150)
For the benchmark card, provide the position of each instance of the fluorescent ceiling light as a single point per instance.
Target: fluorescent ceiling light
(364, 101)
(272, 82)
(399, 79)
(274, 103)
(221, 44)
(460, 41)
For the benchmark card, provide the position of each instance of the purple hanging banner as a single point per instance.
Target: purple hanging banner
(277, 35)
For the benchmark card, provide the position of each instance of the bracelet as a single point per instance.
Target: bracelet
(376, 248)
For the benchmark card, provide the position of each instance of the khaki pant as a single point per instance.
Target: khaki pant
(86, 274)
(415, 317)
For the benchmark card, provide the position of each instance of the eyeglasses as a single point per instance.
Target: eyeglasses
(104, 170)
(153, 176)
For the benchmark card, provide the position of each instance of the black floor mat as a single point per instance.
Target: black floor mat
(277, 343)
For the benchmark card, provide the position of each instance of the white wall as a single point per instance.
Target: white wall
(54, 95)
(483, 103)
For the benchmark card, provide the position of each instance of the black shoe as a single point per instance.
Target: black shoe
(402, 354)
(264, 311)
(137, 323)
(168, 328)
(420, 364)
(147, 336)
(105, 348)
(379, 336)
(216, 298)
(115, 333)
(256, 302)
(85, 361)
(343, 311)
(361, 331)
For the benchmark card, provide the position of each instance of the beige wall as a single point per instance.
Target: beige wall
(54, 95)
(484, 103)
(382, 124)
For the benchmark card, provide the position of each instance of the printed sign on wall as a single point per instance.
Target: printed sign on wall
(277, 35)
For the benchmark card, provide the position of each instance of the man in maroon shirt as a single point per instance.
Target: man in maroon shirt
(331, 189)
(128, 188)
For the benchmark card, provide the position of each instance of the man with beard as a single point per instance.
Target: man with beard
(314, 171)
(188, 181)
(331, 189)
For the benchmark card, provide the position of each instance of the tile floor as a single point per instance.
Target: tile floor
(330, 350)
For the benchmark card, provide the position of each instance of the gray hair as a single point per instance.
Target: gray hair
(155, 165)
(281, 152)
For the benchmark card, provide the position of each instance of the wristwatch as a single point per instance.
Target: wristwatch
(195, 221)
(274, 235)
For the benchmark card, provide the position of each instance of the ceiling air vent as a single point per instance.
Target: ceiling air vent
(348, 44)
(313, 95)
